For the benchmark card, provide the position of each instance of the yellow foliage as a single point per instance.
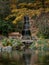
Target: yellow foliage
(19, 13)
(14, 10)
(22, 4)
(35, 4)
(10, 16)
(30, 4)
(47, 1)
(13, 6)
(19, 18)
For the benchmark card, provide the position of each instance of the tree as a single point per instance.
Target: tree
(5, 27)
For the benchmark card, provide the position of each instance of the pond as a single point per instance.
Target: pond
(34, 57)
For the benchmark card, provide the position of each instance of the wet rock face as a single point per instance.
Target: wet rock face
(7, 49)
(26, 33)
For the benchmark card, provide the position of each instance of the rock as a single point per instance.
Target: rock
(7, 49)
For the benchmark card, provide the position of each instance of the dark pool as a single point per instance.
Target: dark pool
(36, 57)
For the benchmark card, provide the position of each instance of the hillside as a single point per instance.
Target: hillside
(27, 7)
(37, 10)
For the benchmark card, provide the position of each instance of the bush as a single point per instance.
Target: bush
(41, 44)
(11, 42)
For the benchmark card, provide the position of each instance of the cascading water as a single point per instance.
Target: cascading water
(26, 35)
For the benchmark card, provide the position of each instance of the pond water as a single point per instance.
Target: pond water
(35, 57)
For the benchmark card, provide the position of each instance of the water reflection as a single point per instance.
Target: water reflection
(27, 56)
(33, 57)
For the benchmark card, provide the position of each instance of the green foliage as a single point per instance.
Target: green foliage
(19, 26)
(4, 42)
(32, 46)
(42, 35)
(41, 44)
(7, 27)
(11, 42)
